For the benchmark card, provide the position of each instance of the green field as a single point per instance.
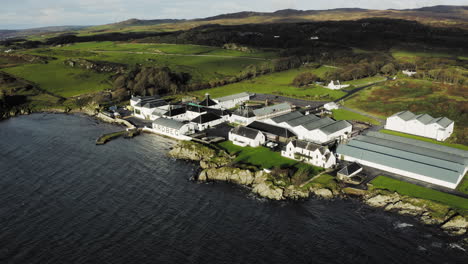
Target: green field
(399, 54)
(342, 114)
(183, 49)
(61, 80)
(433, 141)
(365, 81)
(203, 63)
(263, 157)
(409, 189)
(279, 84)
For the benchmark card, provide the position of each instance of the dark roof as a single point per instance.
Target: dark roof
(306, 145)
(205, 118)
(195, 108)
(245, 132)
(207, 102)
(302, 120)
(216, 111)
(272, 129)
(350, 169)
(176, 111)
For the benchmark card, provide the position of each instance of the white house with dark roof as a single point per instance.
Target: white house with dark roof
(309, 152)
(244, 136)
(421, 125)
(416, 159)
(231, 101)
(206, 120)
(208, 102)
(171, 128)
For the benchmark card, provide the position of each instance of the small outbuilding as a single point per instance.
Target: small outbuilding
(349, 171)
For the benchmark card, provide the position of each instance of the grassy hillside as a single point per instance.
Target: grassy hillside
(279, 84)
(404, 188)
(61, 80)
(203, 63)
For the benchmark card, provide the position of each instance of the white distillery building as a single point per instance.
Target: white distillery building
(309, 152)
(244, 136)
(205, 121)
(313, 128)
(171, 128)
(243, 115)
(421, 125)
(336, 85)
(144, 107)
(420, 160)
(231, 101)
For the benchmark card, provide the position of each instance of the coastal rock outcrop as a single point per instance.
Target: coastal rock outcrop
(428, 212)
(457, 225)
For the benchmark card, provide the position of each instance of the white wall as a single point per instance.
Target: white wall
(414, 127)
(231, 103)
(241, 120)
(259, 139)
(204, 126)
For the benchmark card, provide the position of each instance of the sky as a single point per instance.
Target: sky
(17, 14)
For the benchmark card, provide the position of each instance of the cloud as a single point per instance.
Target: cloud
(38, 13)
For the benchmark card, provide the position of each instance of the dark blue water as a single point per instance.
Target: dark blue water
(65, 200)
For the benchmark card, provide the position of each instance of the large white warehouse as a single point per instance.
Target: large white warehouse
(421, 125)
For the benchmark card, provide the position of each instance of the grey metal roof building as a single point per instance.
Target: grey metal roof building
(232, 97)
(287, 117)
(272, 109)
(334, 127)
(302, 120)
(168, 123)
(408, 157)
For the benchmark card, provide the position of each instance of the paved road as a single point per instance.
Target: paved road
(277, 98)
(357, 90)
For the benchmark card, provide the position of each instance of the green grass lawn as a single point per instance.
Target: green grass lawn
(398, 54)
(279, 84)
(365, 81)
(395, 133)
(61, 80)
(463, 186)
(263, 157)
(409, 189)
(342, 114)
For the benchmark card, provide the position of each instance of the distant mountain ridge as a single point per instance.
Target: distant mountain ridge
(441, 15)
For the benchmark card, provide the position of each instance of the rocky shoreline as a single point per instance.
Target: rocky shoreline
(218, 165)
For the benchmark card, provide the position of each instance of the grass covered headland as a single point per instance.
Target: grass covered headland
(413, 190)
